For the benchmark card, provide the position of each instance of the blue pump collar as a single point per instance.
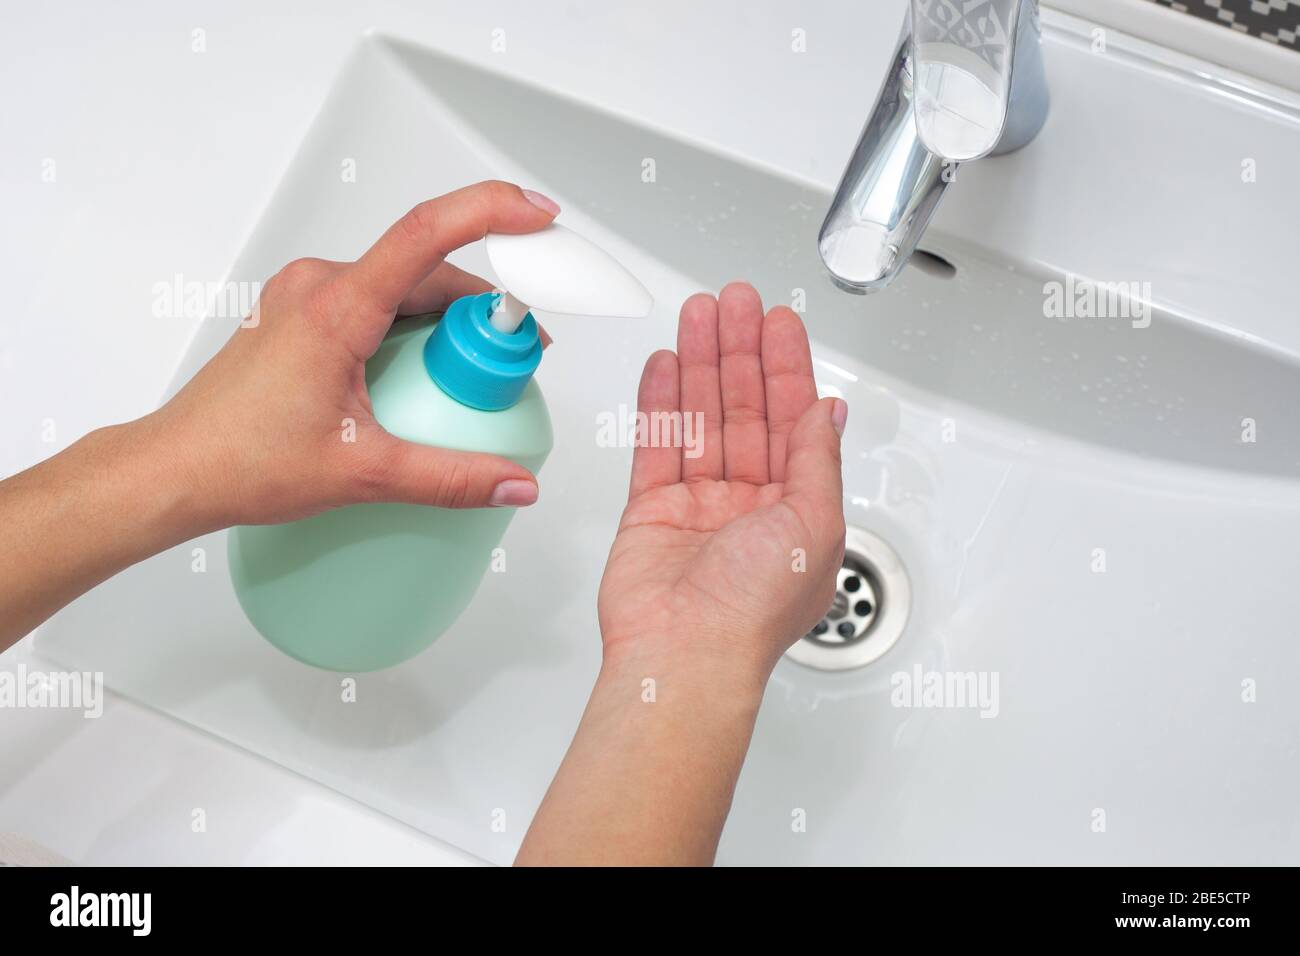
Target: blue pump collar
(479, 365)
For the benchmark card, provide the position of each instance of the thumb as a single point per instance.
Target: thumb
(813, 484)
(424, 475)
(417, 243)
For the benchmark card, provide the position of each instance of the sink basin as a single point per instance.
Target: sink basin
(1072, 498)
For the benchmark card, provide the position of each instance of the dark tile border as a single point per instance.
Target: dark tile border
(1274, 21)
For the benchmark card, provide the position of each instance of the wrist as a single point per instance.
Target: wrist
(652, 768)
(712, 669)
(155, 472)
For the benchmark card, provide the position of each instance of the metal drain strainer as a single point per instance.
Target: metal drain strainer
(873, 598)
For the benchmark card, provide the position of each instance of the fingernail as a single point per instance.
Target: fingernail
(542, 202)
(514, 493)
(839, 415)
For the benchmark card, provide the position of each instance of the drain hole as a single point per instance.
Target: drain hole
(857, 594)
(873, 598)
(932, 264)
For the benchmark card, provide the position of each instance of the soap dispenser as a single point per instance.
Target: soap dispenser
(369, 586)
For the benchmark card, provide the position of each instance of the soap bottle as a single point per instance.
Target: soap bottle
(369, 586)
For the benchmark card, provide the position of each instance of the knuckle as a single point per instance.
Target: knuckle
(454, 485)
(420, 221)
(744, 413)
(301, 272)
(493, 194)
(323, 299)
(498, 190)
(373, 475)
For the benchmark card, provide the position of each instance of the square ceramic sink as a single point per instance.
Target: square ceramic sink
(1072, 499)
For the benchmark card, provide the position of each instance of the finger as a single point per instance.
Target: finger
(440, 288)
(813, 483)
(697, 358)
(740, 376)
(788, 380)
(657, 459)
(417, 243)
(424, 475)
(445, 285)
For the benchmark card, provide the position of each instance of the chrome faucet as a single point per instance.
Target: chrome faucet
(966, 81)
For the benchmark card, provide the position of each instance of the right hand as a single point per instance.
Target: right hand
(259, 430)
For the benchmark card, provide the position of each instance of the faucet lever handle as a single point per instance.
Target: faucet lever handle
(963, 53)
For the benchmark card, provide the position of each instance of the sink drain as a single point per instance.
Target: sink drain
(873, 598)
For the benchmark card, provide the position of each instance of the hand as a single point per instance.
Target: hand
(260, 427)
(257, 435)
(722, 560)
(732, 553)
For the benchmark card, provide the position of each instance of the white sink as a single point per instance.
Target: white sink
(1004, 455)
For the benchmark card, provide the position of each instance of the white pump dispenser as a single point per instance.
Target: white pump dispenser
(557, 270)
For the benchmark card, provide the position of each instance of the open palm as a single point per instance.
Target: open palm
(731, 544)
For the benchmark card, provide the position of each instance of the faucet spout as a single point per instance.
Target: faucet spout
(961, 85)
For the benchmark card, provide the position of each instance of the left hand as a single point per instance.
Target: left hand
(732, 554)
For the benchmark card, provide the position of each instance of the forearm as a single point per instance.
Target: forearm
(649, 777)
(115, 497)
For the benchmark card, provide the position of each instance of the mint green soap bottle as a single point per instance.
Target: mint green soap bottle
(370, 586)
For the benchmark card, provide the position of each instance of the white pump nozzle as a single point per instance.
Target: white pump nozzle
(508, 314)
(557, 270)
